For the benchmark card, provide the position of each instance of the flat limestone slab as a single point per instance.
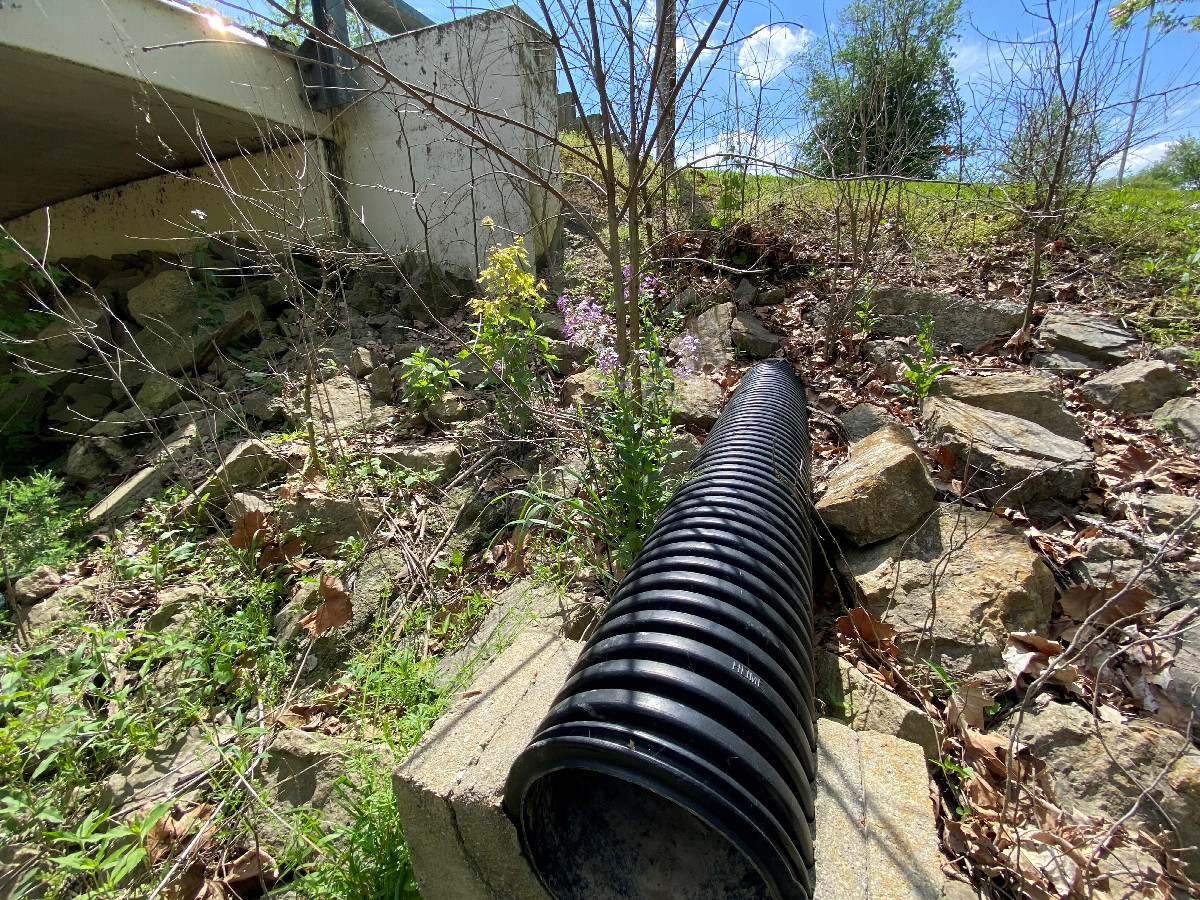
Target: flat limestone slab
(876, 835)
(449, 788)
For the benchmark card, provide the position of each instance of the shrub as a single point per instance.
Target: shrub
(41, 524)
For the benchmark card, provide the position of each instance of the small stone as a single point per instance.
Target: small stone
(882, 490)
(1167, 512)
(683, 303)
(744, 296)
(772, 296)
(41, 582)
(44, 616)
(1180, 417)
(325, 523)
(1136, 387)
(379, 383)
(1011, 460)
(1036, 398)
(165, 297)
(584, 388)
(551, 324)
(158, 393)
(440, 461)
(452, 408)
(1064, 363)
(243, 503)
(865, 705)
(681, 452)
(955, 608)
(697, 402)
(265, 406)
(1090, 338)
(866, 419)
(752, 337)
(363, 362)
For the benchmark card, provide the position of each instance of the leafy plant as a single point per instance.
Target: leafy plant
(864, 314)
(506, 334)
(924, 371)
(41, 523)
(426, 378)
(733, 187)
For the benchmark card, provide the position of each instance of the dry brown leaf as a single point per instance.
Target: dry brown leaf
(862, 625)
(335, 610)
(967, 704)
(1027, 653)
(1080, 601)
(251, 529)
(253, 866)
(989, 749)
(170, 832)
(192, 884)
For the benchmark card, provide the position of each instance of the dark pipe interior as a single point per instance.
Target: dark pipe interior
(597, 837)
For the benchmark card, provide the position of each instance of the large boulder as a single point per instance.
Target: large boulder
(342, 404)
(1087, 339)
(1005, 459)
(752, 337)
(439, 460)
(1180, 417)
(191, 339)
(326, 522)
(38, 584)
(1037, 398)
(697, 401)
(1136, 387)
(1138, 769)
(93, 459)
(167, 296)
(956, 319)
(712, 331)
(955, 587)
(880, 491)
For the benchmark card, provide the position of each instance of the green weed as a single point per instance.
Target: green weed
(41, 523)
(923, 372)
(426, 378)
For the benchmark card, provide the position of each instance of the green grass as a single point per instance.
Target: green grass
(41, 523)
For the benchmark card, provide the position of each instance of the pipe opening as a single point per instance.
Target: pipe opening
(593, 836)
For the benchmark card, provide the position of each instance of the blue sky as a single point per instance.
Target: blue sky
(775, 55)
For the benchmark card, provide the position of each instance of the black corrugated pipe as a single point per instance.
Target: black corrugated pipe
(678, 759)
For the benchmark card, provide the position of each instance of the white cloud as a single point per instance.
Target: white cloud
(1139, 158)
(766, 150)
(971, 59)
(770, 50)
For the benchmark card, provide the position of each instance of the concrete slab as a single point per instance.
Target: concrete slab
(450, 787)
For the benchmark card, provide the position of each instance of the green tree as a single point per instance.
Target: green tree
(1167, 14)
(884, 99)
(1181, 165)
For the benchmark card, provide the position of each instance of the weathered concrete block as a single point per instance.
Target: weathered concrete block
(450, 787)
(876, 835)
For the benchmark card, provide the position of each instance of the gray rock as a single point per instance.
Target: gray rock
(866, 419)
(247, 465)
(1036, 398)
(482, 515)
(681, 451)
(583, 388)
(174, 771)
(682, 303)
(955, 587)
(93, 459)
(440, 460)
(123, 423)
(472, 371)
(1136, 387)
(567, 357)
(132, 491)
(1180, 417)
(880, 491)
(265, 406)
(865, 705)
(191, 340)
(772, 296)
(450, 788)
(1064, 363)
(342, 404)
(752, 337)
(1102, 769)
(712, 330)
(363, 362)
(1006, 460)
(326, 522)
(22, 868)
(967, 321)
(45, 616)
(551, 324)
(696, 402)
(1112, 560)
(1167, 512)
(1096, 339)
(880, 353)
(244, 502)
(453, 407)
(158, 393)
(167, 296)
(743, 296)
(379, 383)
(41, 582)
(304, 600)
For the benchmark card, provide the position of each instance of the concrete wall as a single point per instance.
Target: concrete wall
(416, 182)
(411, 182)
(282, 194)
